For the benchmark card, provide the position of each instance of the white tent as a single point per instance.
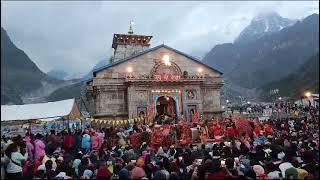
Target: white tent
(42, 111)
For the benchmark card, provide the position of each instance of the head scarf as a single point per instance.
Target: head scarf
(124, 174)
(302, 173)
(137, 173)
(258, 170)
(291, 173)
(87, 173)
(140, 162)
(103, 173)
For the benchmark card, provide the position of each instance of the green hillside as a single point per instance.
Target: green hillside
(306, 78)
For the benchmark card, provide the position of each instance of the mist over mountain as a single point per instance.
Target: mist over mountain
(259, 60)
(100, 64)
(58, 74)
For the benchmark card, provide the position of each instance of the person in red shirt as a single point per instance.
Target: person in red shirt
(268, 129)
(68, 142)
(231, 129)
(195, 117)
(182, 119)
(217, 130)
(257, 128)
(103, 172)
(286, 126)
(37, 163)
(53, 142)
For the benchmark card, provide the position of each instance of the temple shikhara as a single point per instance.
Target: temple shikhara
(161, 84)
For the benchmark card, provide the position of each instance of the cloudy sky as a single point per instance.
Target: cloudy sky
(74, 36)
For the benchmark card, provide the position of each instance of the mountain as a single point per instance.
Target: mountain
(57, 74)
(100, 64)
(22, 82)
(224, 57)
(76, 89)
(19, 75)
(305, 78)
(67, 92)
(263, 24)
(77, 75)
(268, 58)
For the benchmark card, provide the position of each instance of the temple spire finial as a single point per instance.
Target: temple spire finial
(130, 27)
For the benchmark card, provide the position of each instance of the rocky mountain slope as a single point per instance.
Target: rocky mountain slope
(305, 78)
(261, 25)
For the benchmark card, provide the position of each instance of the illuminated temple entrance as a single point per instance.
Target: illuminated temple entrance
(166, 109)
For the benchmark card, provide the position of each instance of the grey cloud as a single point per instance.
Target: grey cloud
(74, 36)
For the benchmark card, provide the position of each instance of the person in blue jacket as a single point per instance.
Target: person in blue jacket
(86, 142)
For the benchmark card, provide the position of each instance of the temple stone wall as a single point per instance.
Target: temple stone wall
(143, 65)
(124, 51)
(211, 99)
(211, 102)
(111, 102)
(137, 97)
(197, 100)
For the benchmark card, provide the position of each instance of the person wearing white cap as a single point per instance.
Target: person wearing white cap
(160, 151)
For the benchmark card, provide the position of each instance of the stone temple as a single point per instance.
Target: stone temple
(143, 81)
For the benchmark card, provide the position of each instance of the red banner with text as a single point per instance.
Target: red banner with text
(166, 77)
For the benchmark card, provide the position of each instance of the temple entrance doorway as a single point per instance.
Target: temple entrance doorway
(166, 110)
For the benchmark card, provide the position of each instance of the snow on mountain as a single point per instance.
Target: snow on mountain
(58, 74)
(62, 75)
(78, 75)
(100, 64)
(262, 24)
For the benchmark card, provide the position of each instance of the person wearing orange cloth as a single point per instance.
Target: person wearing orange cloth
(267, 129)
(186, 134)
(257, 128)
(217, 130)
(195, 117)
(231, 129)
(203, 134)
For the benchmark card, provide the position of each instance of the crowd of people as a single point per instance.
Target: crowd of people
(280, 107)
(288, 149)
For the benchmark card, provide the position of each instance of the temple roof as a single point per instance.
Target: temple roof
(130, 39)
(149, 50)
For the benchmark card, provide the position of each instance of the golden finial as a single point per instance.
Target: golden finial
(130, 27)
